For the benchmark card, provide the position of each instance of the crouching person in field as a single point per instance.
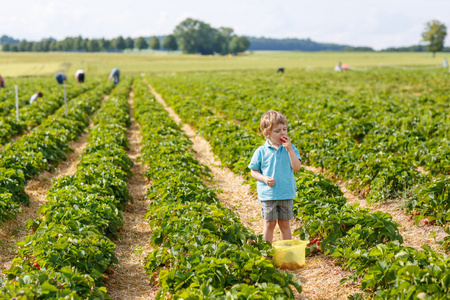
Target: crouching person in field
(273, 165)
(34, 97)
(60, 77)
(115, 75)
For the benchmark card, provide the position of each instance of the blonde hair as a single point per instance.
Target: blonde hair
(271, 118)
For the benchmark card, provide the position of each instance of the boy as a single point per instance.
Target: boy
(273, 166)
(35, 97)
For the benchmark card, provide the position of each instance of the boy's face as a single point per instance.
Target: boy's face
(278, 131)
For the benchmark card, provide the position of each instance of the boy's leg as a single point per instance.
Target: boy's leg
(269, 227)
(269, 213)
(285, 214)
(285, 228)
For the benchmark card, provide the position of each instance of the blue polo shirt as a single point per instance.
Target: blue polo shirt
(276, 164)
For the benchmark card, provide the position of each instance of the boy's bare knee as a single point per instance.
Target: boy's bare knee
(271, 224)
(283, 223)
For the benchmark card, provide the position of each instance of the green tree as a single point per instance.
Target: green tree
(53, 46)
(45, 44)
(93, 45)
(6, 47)
(23, 45)
(154, 43)
(84, 44)
(119, 43)
(36, 47)
(195, 36)
(78, 43)
(129, 42)
(239, 44)
(435, 33)
(66, 44)
(105, 44)
(141, 43)
(29, 46)
(170, 42)
(223, 40)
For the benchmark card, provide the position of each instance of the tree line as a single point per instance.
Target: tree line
(190, 36)
(194, 36)
(88, 45)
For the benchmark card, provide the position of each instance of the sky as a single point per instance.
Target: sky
(375, 23)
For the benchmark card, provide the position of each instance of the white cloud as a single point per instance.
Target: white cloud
(378, 24)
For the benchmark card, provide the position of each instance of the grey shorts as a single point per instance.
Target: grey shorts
(272, 210)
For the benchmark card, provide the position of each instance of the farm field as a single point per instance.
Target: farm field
(143, 189)
(48, 64)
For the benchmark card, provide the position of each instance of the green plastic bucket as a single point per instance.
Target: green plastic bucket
(289, 254)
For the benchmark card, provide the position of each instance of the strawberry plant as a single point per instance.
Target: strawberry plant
(200, 246)
(83, 211)
(377, 159)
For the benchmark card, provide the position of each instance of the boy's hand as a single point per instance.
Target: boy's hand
(269, 181)
(286, 143)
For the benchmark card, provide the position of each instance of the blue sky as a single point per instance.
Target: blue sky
(378, 24)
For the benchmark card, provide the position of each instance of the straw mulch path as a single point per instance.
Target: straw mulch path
(320, 278)
(413, 236)
(37, 187)
(130, 280)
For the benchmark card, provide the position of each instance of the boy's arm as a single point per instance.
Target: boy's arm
(295, 162)
(260, 177)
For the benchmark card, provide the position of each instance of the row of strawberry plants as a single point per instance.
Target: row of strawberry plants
(378, 175)
(381, 165)
(201, 250)
(357, 239)
(321, 134)
(369, 245)
(33, 115)
(26, 88)
(70, 254)
(42, 149)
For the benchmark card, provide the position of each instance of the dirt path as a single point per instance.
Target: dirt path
(130, 280)
(320, 278)
(413, 236)
(37, 187)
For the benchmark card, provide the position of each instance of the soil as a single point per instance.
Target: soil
(130, 280)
